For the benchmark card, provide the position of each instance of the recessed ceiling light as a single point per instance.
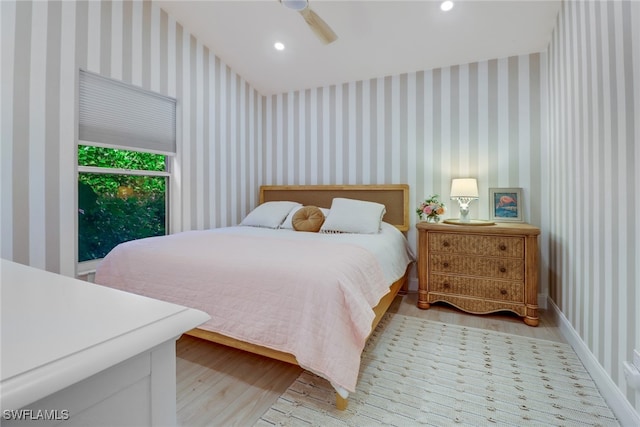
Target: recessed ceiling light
(278, 46)
(446, 5)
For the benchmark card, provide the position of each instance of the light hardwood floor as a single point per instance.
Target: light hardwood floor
(220, 386)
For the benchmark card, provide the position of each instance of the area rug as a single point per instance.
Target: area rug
(419, 372)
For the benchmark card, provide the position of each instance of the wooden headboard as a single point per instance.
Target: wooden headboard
(395, 197)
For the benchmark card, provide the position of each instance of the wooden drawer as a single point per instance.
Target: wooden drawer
(496, 268)
(498, 246)
(474, 287)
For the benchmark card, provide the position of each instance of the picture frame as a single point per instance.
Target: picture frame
(505, 204)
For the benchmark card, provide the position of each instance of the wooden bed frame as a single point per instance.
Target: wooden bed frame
(395, 197)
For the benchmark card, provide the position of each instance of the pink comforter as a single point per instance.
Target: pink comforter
(311, 299)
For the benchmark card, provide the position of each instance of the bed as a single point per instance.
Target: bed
(308, 298)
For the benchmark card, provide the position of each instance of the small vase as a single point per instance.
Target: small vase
(433, 219)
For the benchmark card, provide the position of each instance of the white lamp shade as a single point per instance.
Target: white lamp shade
(464, 187)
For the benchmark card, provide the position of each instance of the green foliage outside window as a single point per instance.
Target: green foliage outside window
(120, 159)
(114, 208)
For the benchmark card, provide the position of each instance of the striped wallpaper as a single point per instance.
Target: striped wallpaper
(482, 120)
(594, 179)
(218, 165)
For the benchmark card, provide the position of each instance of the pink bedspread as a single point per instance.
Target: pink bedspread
(311, 299)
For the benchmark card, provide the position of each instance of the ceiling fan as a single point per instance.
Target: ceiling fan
(319, 27)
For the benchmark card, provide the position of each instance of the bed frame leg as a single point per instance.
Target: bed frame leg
(341, 402)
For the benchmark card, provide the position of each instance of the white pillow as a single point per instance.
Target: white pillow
(353, 216)
(288, 222)
(269, 214)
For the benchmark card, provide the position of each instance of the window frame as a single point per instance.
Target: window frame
(90, 88)
(89, 266)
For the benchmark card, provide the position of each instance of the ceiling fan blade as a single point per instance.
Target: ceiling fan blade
(319, 27)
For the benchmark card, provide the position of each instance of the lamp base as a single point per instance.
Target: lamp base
(471, 222)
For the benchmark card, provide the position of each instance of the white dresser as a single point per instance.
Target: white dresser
(75, 353)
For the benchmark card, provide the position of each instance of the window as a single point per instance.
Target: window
(121, 197)
(126, 135)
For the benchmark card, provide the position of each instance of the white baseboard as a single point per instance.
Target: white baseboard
(621, 407)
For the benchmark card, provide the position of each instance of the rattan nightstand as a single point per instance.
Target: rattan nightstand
(480, 269)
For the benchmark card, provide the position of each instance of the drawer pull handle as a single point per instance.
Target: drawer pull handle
(503, 270)
(445, 244)
(446, 285)
(503, 247)
(503, 291)
(445, 264)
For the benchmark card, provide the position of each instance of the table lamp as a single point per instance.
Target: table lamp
(465, 191)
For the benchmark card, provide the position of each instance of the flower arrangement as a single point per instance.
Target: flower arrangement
(431, 209)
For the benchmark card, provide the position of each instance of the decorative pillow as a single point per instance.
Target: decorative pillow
(288, 222)
(353, 216)
(269, 214)
(308, 218)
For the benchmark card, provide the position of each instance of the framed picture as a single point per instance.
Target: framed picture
(505, 204)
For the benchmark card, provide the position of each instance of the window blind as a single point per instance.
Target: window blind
(119, 115)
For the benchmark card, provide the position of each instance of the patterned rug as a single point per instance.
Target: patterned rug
(419, 372)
